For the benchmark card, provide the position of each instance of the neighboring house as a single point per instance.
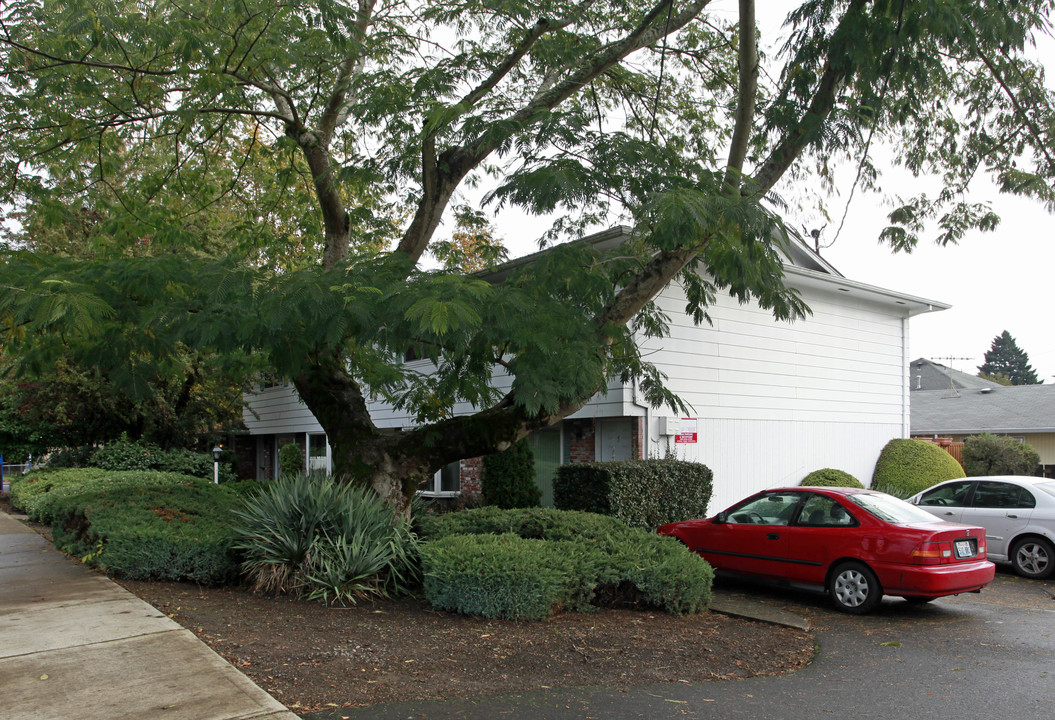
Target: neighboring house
(926, 374)
(772, 401)
(963, 406)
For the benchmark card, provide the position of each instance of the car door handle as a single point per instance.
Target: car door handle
(1012, 516)
(949, 513)
(773, 536)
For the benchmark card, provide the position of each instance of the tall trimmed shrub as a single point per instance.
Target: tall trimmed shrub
(509, 478)
(291, 459)
(907, 466)
(641, 493)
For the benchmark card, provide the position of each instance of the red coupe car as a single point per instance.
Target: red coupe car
(856, 545)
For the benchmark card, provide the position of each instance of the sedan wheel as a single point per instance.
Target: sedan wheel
(854, 588)
(1033, 558)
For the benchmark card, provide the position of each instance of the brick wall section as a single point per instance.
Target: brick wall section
(581, 441)
(637, 451)
(469, 476)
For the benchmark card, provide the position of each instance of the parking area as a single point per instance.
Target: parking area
(971, 656)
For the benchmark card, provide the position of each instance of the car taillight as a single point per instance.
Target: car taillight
(981, 546)
(932, 553)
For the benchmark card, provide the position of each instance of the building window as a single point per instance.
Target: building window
(317, 454)
(445, 482)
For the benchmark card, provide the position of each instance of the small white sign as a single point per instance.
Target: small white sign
(687, 433)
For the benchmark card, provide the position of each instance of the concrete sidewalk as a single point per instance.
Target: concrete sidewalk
(74, 644)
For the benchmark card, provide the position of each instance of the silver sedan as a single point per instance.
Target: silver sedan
(1018, 514)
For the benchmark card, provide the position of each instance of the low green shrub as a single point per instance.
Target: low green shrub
(830, 477)
(498, 576)
(509, 478)
(988, 454)
(907, 466)
(30, 491)
(326, 540)
(527, 564)
(641, 493)
(138, 525)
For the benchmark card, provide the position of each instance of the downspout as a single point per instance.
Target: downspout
(906, 410)
(646, 439)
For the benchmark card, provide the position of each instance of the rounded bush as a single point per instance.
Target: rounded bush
(988, 454)
(906, 467)
(830, 477)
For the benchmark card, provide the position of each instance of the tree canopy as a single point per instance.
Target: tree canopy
(1006, 359)
(267, 179)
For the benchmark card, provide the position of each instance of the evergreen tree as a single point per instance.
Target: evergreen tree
(1006, 358)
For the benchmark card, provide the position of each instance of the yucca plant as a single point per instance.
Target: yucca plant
(325, 540)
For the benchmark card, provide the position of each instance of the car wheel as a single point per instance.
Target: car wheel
(1033, 558)
(854, 588)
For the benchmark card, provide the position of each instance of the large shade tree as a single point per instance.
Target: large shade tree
(152, 114)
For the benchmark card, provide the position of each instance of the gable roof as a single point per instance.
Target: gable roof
(998, 410)
(928, 375)
(801, 264)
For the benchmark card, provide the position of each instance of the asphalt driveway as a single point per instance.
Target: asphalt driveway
(990, 655)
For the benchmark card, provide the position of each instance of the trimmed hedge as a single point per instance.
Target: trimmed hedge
(528, 564)
(641, 493)
(535, 523)
(137, 525)
(830, 477)
(906, 467)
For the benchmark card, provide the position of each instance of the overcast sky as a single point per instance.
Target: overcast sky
(1003, 280)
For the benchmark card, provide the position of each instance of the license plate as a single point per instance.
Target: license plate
(964, 548)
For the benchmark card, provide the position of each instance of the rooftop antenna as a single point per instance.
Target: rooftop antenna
(953, 392)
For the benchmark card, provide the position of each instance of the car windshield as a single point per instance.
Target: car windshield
(1048, 487)
(890, 509)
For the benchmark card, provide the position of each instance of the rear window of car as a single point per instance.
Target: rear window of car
(1049, 488)
(890, 509)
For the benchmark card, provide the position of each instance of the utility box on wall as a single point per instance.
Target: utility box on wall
(669, 425)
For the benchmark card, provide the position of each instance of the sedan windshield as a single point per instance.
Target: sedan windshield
(890, 509)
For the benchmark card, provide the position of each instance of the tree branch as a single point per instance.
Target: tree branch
(748, 86)
(333, 115)
(456, 162)
(798, 138)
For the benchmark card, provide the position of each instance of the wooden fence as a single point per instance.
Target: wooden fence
(948, 445)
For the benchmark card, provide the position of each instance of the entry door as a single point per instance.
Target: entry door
(545, 445)
(615, 439)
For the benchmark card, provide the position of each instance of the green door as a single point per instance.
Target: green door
(545, 444)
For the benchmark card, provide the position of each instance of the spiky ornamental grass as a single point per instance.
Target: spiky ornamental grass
(324, 540)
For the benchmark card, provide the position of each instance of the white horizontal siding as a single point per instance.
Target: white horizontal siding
(843, 363)
(751, 455)
(277, 410)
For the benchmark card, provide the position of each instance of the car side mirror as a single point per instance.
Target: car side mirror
(720, 519)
